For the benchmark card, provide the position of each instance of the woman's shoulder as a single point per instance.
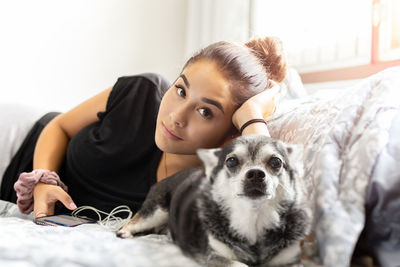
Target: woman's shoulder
(136, 89)
(152, 80)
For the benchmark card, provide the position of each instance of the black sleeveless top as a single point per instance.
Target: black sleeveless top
(114, 161)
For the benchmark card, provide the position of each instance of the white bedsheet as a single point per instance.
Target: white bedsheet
(25, 244)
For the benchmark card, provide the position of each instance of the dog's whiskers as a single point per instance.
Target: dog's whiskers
(284, 187)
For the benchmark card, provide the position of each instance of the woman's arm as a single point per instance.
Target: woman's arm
(260, 106)
(51, 148)
(52, 143)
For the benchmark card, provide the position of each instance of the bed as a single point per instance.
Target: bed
(351, 144)
(23, 243)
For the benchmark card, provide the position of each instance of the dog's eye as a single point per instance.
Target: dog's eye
(232, 162)
(275, 163)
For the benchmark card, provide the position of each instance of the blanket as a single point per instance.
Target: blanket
(351, 171)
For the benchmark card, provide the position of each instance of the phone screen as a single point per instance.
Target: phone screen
(63, 220)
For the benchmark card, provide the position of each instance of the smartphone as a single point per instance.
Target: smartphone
(63, 220)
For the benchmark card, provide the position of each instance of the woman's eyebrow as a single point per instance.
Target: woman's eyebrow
(185, 80)
(213, 102)
(204, 99)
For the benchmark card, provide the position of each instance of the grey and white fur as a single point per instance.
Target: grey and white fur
(246, 207)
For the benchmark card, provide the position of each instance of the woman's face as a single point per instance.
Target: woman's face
(196, 111)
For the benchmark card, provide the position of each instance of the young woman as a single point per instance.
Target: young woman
(110, 149)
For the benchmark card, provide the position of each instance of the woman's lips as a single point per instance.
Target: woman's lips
(169, 133)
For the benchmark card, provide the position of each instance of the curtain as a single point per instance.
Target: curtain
(210, 21)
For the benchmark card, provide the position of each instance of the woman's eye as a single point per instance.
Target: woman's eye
(206, 113)
(232, 162)
(181, 92)
(275, 163)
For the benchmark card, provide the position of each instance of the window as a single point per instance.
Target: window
(332, 39)
(386, 24)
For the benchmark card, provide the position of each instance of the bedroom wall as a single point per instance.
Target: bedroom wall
(55, 54)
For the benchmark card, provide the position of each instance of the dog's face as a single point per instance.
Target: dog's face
(253, 167)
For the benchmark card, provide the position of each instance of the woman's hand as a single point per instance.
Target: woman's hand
(45, 197)
(260, 106)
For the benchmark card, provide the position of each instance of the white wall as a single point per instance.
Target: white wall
(55, 54)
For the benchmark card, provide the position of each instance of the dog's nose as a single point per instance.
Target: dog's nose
(255, 174)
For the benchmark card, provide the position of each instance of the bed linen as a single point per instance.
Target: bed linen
(25, 244)
(351, 166)
(352, 146)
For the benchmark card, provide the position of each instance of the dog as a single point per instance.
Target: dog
(245, 207)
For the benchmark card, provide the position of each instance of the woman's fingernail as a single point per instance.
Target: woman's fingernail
(72, 206)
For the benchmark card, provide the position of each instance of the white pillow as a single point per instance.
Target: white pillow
(15, 122)
(292, 86)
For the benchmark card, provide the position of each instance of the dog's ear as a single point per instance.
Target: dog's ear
(209, 158)
(296, 156)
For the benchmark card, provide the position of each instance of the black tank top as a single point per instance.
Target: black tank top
(114, 161)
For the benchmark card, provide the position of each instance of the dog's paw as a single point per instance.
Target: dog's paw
(131, 228)
(125, 232)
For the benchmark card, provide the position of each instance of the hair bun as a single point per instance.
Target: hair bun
(269, 51)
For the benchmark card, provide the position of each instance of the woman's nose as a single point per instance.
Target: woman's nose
(178, 117)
